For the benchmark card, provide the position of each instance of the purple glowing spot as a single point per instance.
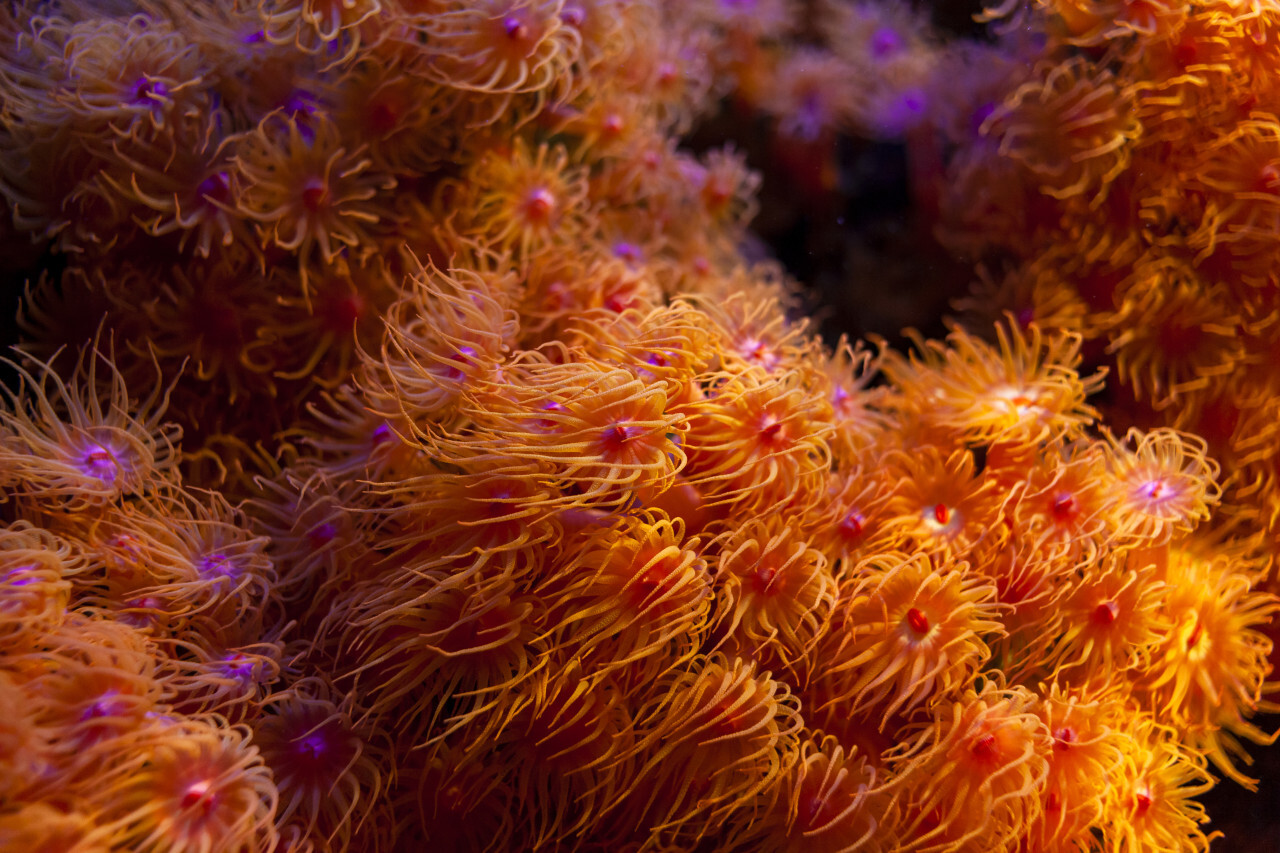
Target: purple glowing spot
(101, 463)
(106, 705)
(238, 666)
(21, 576)
(215, 187)
(322, 534)
(148, 92)
(217, 566)
(515, 28)
(573, 15)
(549, 423)
(885, 42)
(904, 112)
(312, 746)
(464, 355)
(381, 434)
(914, 101)
(255, 37)
(628, 252)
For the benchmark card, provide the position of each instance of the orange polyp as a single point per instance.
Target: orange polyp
(1105, 614)
(918, 621)
(314, 194)
(198, 794)
(1194, 636)
(541, 204)
(763, 579)
(984, 747)
(1141, 803)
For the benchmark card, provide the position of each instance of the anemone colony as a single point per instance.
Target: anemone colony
(402, 453)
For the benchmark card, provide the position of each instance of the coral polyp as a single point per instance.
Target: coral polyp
(410, 442)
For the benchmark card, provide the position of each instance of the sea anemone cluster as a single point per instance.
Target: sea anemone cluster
(1113, 178)
(406, 452)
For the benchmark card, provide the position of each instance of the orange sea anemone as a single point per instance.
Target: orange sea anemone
(1163, 482)
(774, 596)
(636, 596)
(325, 771)
(84, 443)
(1026, 389)
(306, 190)
(524, 199)
(716, 740)
(1073, 130)
(501, 49)
(193, 788)
(973, 779)
(1152, 805)
(916, 633)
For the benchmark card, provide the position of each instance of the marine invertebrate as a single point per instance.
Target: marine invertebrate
(756, 438)
(830, 800)
(524, 198)
(917, 633)
(1073, 129)
(715, 740)
(1207, 671)
(1173, 334)
(1153, 805)
(569, 531)
(1164, 482)
(1024, 390)
(643, 584)
(502, 49)
(981, 765)
(305, 190)
(774, 596)
(324, 769)
(939, 503)
(195, 788)
(33, 569)
(1089, 746)
(76, 445)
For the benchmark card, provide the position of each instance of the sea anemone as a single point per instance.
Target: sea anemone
(500, 49)
(831, 802)
(1073, 130)
(1025, 390)
(324, 769)
(191, 788)
(523, 199)
(82, 444)
(917, 633)
(774, 594)
(716, 740)
(306, 190)
(1163, 483)
(635, 596)
(1151, 806)
(1208, 672)
(974, 774)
